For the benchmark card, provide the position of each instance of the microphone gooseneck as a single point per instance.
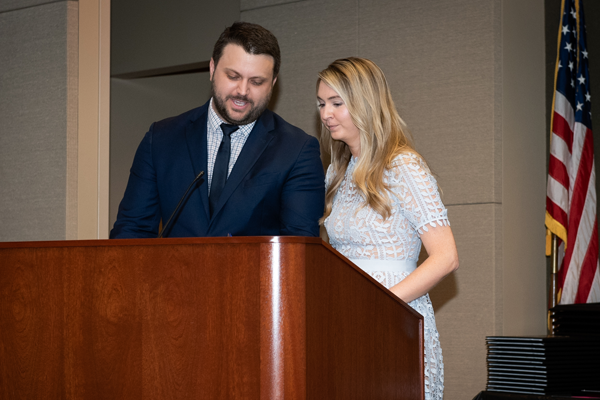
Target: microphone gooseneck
(160, 235)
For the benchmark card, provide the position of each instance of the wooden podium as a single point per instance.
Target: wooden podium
(202, 318)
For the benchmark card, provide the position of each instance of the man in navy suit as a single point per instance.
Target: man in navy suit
(262, 176)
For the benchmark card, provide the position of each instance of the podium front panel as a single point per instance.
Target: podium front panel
(212, 318)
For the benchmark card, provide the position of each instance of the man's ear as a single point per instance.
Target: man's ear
(212, 68)
(274, 80)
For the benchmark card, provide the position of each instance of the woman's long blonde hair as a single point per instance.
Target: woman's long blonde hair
(383, 135)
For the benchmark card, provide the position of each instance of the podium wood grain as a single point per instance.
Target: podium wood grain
(213, 318)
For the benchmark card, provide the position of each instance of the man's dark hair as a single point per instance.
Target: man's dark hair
(254, 39)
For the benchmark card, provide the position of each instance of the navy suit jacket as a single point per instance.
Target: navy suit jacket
(275, 188)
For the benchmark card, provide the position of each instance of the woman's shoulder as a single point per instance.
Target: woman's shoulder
(409, 162)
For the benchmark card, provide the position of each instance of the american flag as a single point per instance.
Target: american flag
(571, 194)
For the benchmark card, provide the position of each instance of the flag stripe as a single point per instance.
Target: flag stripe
(560, 150)
(558, 172)
(563, 130)
(558, 213)
(588, 268)
(574, 163)
(558, 194)
(582, 182)
(594, 296)
(578, 199)
(564, 108)
(580, 246)
(578, 213)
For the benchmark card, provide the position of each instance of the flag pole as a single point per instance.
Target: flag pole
(552, 295)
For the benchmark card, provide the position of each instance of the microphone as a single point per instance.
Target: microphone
(179, 204)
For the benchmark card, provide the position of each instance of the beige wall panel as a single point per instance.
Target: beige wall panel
(497, 23)
(149, 34)
(464, 301)
(135, 105)
(72, 121)
(33, 109)
(498, 271)
(439, 60)
(524, 167)
(311, 35)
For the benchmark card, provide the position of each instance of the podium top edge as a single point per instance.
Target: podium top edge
(163, 242)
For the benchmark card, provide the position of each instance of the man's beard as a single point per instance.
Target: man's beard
(252, 115)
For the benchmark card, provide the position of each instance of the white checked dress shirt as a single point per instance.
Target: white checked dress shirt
(214, 135)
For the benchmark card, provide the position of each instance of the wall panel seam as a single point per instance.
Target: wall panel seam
(35, 5)
(272, 5)
(471, 204)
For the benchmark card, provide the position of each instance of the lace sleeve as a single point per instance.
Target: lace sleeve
(417, 190)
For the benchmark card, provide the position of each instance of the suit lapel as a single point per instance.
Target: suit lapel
(255, 145)
(195, 134)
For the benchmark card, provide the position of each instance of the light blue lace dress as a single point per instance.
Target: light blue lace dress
(360, 233)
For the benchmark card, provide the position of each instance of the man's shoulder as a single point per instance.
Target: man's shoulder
(275, 122)
(179, 122)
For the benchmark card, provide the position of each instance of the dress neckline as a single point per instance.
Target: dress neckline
(351, 164)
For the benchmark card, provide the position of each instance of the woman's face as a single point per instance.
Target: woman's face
(336, 118)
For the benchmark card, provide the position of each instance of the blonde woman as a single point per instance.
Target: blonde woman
(382, 201)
